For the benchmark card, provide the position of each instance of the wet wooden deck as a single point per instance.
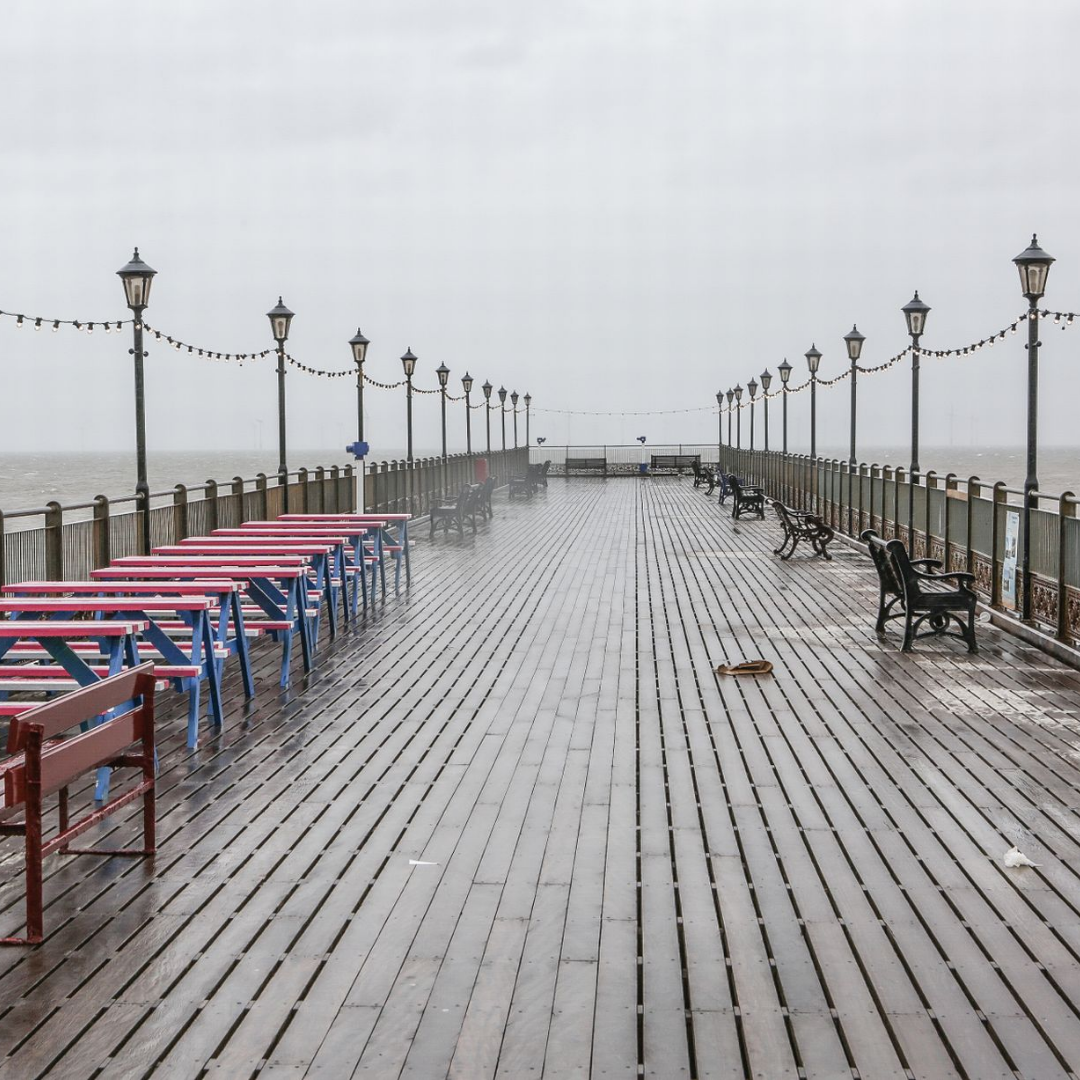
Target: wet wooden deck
(516, 827)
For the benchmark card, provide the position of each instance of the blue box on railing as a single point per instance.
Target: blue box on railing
(358, 449)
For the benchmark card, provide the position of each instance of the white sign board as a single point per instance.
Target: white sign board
(1008, 563)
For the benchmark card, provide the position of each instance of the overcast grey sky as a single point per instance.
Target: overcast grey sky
(618, 205)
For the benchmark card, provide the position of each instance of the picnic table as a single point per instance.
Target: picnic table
(398, 546)
(184, 668)
(354, 540)
(326, 559)
(277, 590)
(227, 619)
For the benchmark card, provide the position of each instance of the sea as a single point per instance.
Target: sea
(30, 480)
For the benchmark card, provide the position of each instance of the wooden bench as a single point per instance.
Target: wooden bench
(921, 595)
(42, 763)
(801, 525)
(678, 462)
(586, 465)
(747, 499)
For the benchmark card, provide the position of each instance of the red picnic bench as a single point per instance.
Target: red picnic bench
(278, 593)
(398, 546)
(42, 763)
(184, 661)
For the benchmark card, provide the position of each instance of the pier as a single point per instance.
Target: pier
(513, 825)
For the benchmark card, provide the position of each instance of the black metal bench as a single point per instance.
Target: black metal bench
(587, 465)
(801, 525)
(920, 595)
(724, 479)
(705, 474)
(453, 515)
(527, 485)
(520, 485)
(678, 462)
(747, 499)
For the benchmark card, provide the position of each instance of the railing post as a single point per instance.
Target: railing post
(950, 485)
(973, 491)
(931, 484)
(212, 506)
(302, 481)
(102, 542)
(900, 475)
(54, 541)
(180, 513)
(1000, 498)
(1066, 509)
(335, 481)
(3, 554)
(264, 502)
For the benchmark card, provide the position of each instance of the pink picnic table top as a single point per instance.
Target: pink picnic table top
(54, 628)
(346, 517)
(294, 533)
(109, 604)
(225, 545)
(194, 557)
(178, 588)
(174, 569)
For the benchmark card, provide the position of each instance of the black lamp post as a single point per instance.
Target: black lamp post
(528, 401)
(854, 341)
(443, 372)
(813, 359)
(915, 312)
(730, 399)
(738, 417)
(487, 409)
(513, 402)
(502, 414)
(1034, 266)
(280, 320)
(752, 387)
(359, 345)
(785, 375)
(408, 363)
(719, 426)
(137, 278)
(766, 382)
(466, 384)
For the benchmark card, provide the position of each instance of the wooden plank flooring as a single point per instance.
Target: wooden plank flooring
(514, 826)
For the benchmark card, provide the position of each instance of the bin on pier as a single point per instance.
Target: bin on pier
(480, 470)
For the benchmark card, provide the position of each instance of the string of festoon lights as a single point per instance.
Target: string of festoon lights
(208, 354)
(40, 322)
(1064, 320)
(649, 412)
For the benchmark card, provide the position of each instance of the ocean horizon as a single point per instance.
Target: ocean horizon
(29, 480)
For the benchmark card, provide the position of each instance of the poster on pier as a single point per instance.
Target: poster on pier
(1008, 563)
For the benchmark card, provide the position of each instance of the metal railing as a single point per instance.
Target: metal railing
(395, 487)
(960, 522)
(61, 543)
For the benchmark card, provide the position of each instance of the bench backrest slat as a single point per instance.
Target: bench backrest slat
(63, 760)
(889, 573)
(65, 712)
